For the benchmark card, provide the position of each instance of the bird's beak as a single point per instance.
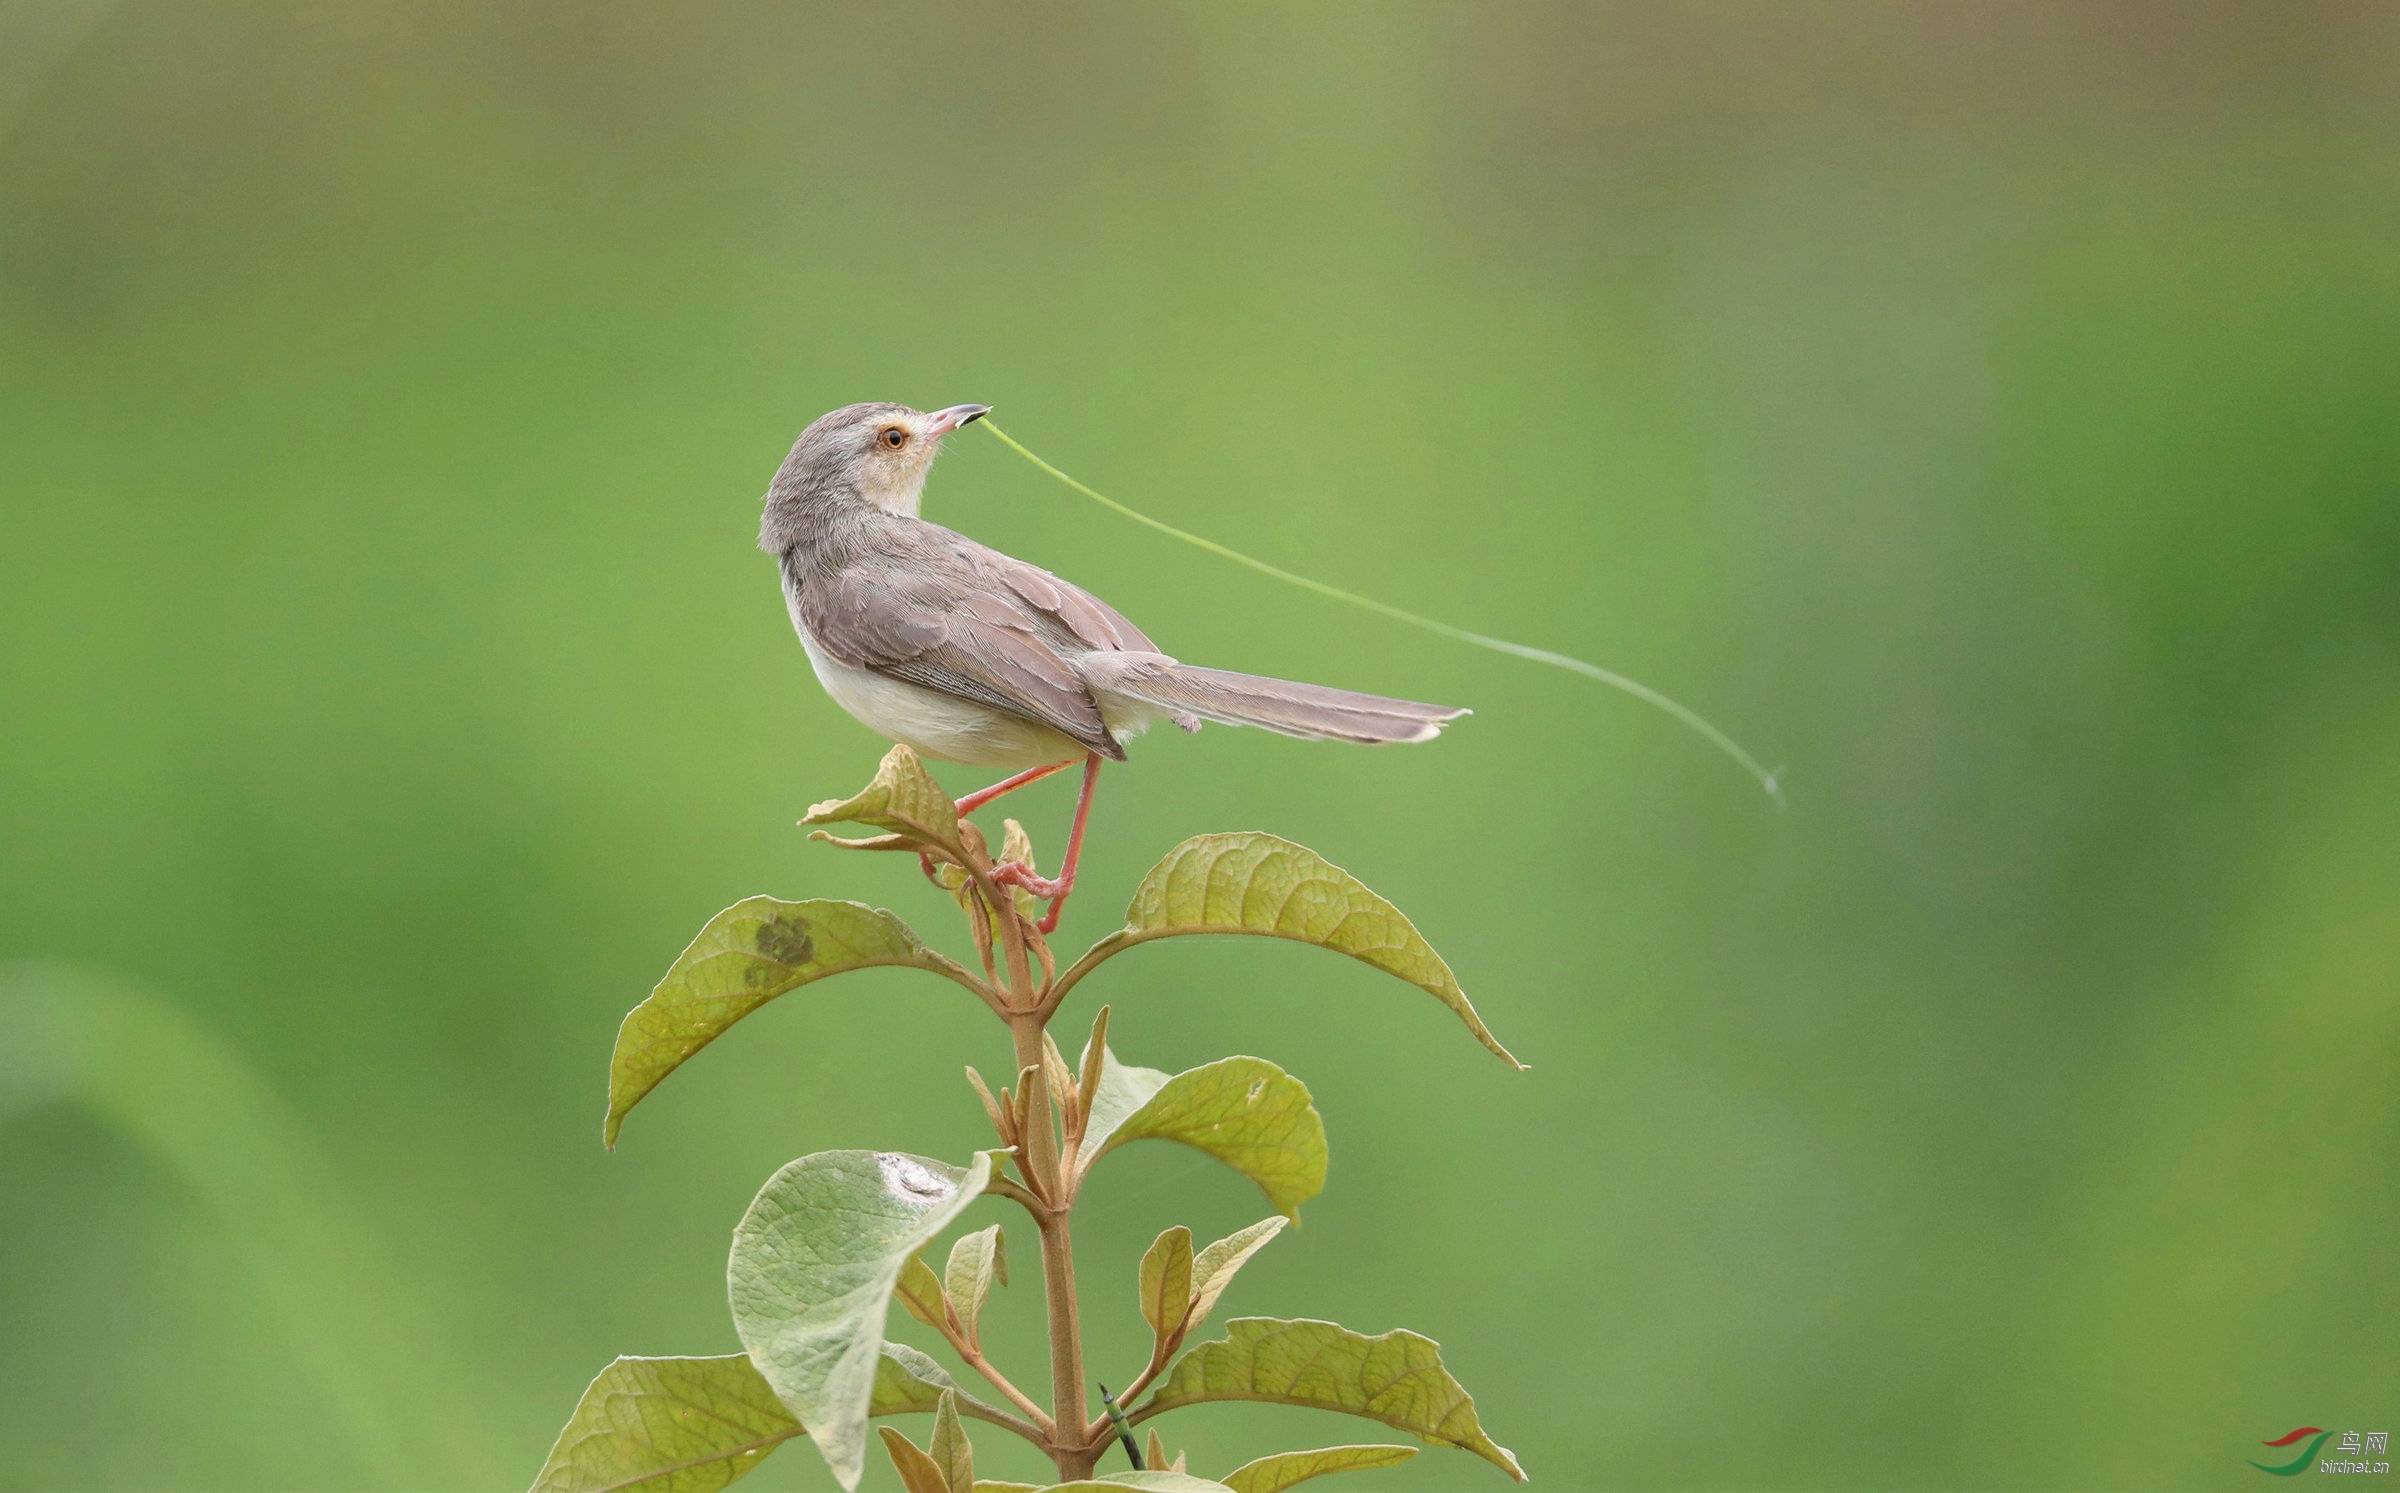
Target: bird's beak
(945, 421)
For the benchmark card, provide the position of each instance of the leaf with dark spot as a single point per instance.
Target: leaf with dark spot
(750, 953)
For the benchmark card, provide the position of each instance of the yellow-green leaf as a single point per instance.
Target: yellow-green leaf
(667, 1425)
(1213, 1268)
(919, 1473)
(950, 1449)
(1016, 845)
(1244, 1111)
(977, 1260)
(693, 1425)
(1259, 883)
(921, 1293)
(1153, 1481)
(750, 953)
(1276, 1473)
(1167, 1282)
(814, 1264)
(902, 800)
(1122, 1090)
(1397, 1379)
(907, 1381)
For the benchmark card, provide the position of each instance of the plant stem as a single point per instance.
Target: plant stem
(1038, 1157)
(974, 1359)
(1042, 1169)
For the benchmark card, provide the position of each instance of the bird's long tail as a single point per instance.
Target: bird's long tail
(1309, 711)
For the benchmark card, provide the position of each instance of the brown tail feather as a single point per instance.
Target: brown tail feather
(1310, 711)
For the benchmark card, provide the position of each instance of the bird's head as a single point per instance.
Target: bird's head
(878, 453)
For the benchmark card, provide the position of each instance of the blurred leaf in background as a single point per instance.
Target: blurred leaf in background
(1984, 412)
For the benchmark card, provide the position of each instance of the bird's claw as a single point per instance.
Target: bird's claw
(1010, 873)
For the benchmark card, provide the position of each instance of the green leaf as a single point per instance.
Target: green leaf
(1153, 1481)
(976, 1261)
(1244, 1111)
(693, 1425)
(1214, 1268)
(1397, 1379)
(903, 800)
(988, 1486)
(667, 1425)
(1121, 1092)
(1167, 1282)
(1276, 1473)
(950, 1449)
(1258, 883)
(920, 1292)
(1016, 845)
(919, 1473)
(814, 1264)
(750, 953)
(908, 1381)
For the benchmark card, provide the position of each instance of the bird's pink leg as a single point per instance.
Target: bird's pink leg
(982, 796)
(1066, 870)
(1055, 892)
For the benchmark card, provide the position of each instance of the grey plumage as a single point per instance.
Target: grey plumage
(965, 653)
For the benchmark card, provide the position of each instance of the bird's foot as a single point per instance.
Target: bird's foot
(1010, 873)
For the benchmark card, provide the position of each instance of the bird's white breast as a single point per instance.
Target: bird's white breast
(935, 724)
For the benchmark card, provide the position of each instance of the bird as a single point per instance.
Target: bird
(967, 655)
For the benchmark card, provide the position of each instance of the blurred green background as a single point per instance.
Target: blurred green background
(1987, 413)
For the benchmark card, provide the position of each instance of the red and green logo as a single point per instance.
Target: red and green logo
(2298, 1464)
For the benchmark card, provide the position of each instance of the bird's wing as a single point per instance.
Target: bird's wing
(1086, 618)
(951, 626)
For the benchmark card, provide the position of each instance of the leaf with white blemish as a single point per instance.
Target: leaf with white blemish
(814, 1265)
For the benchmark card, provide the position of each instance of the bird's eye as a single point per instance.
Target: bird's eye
(895, 438)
